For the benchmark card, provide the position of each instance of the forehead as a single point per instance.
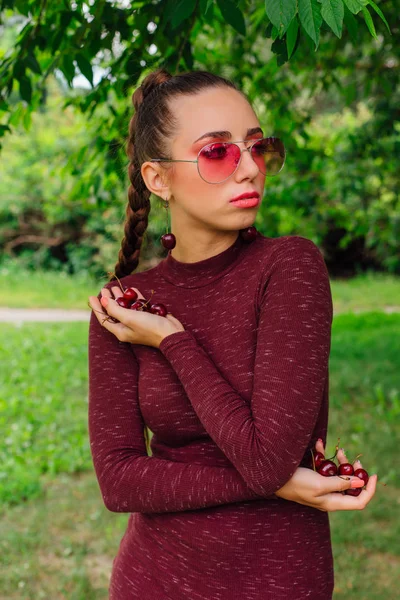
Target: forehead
(213, 109)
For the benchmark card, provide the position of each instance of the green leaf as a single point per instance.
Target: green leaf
(85, 67)
(274, 33)
(351, 24)
(291, 36)
(68, 68)
(380, 13)
(25, 88)
(232, 15)
(332, 12)
(4, 129)
(354, 6)
(310, 18)
(33, 64)
(205, 6)
(281, 13)
(369, 22)
(181, 10)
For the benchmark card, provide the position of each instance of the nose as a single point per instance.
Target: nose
(247, 166)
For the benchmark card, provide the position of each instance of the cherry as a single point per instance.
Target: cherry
(345, 469)
(158, 308)
(139, 304)
(124, 302)
(130, 294)
(249, 234)
(318, 459)
(327, 468)
(168, 240)
(353, 491)
(362, 474)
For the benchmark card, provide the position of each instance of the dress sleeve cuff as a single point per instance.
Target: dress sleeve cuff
(175, 340)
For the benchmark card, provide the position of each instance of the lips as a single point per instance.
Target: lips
(246, 195)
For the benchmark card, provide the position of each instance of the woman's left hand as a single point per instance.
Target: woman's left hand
(135, 326)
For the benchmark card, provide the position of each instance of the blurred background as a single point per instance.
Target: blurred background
(327, 83)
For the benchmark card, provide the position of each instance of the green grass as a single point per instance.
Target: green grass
(20, 288)
(43, 405)
(58, 540)
(367, 292)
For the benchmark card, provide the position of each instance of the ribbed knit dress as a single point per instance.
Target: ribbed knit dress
(235, 403)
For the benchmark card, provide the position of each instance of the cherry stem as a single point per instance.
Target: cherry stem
(356, 457)
(336, 449)
(313, 460)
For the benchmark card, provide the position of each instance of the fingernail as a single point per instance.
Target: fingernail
(104, 300)
(356, 483)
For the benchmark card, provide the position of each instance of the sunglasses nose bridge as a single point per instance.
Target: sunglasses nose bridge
(241, 155)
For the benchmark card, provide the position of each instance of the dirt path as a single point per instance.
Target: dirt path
(21, 315)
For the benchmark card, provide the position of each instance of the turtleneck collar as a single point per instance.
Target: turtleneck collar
(200, 273)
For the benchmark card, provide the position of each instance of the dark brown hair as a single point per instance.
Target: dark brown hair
(152, 124)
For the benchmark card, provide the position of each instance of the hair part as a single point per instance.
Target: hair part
(150, 130)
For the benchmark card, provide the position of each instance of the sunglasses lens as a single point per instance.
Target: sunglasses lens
(218, 161)
(269, 154)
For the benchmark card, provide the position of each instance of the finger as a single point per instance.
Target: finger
(117, 292)
(338, 484)
(104, 319)
(106, 292)
(319, 446)
(344, 502)
(125, 316)
(341, 456)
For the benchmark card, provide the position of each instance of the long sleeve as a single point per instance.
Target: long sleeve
(129, 479)
(267, 439)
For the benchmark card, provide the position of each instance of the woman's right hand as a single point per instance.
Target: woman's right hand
(312, 489)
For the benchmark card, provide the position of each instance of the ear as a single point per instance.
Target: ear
(155, 179)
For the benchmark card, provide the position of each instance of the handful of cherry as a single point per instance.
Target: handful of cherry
(130, 300)
(328, 468)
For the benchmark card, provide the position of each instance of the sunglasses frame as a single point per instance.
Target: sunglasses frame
(237, 166)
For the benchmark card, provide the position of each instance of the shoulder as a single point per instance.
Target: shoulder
(289, 251)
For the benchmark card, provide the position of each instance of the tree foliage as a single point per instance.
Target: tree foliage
(296, 61)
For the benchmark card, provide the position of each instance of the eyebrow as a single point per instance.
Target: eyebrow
(227, 134)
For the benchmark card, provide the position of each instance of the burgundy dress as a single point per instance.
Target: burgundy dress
(235, 403)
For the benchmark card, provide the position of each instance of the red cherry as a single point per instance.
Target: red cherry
(362, 474)
(140, 304)
(353, 491)
(318, 459)
(345, 469)
(158, 308)
(130, 294)
(123, 302)
(327, 468)
(168, 240)
(249, 234)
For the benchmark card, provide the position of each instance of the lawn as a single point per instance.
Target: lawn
(57, 538)
(20, 288)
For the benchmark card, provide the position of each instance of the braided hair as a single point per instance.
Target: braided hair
(150, 129)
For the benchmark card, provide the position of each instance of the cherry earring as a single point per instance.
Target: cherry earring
(249, 234)
(168, 240)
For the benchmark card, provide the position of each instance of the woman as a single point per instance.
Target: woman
(233, 382)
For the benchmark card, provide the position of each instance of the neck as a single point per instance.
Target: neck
(193, 247)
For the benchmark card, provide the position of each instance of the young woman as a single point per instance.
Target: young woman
(233, 382)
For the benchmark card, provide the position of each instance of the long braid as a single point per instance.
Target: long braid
(138, 207)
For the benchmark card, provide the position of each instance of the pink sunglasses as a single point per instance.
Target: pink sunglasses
(217, 161)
